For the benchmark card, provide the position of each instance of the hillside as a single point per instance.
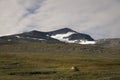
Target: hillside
(110, 42)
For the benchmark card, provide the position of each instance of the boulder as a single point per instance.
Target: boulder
(74, 68)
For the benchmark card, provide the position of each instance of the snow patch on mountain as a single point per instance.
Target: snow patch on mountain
(9, 40)
(63, 37)
(18, 37)
(47, 35)
(86, 42)
(35, 38)
(29, 38)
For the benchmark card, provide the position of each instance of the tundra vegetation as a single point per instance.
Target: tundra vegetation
(53, 61)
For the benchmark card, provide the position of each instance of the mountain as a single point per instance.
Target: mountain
(70, 36)
(65, 35)
(29, 36)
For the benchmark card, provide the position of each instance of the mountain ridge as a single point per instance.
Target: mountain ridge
(65, 35)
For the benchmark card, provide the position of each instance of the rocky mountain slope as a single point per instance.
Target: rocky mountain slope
(65, 35)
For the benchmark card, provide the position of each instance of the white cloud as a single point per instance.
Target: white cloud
(99, 18)
(10, 13)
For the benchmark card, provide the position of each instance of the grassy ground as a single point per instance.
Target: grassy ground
(45, 61)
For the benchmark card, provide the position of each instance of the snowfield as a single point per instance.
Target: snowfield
(18, 37)
(86, 42)
(65, 38)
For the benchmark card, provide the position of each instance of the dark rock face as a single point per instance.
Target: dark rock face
(61, 31)
(80, 36)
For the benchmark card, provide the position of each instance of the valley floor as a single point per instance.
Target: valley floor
(47, 61)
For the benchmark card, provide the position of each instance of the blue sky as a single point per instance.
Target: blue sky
(99, 18)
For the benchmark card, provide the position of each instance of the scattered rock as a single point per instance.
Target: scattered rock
(74, 68)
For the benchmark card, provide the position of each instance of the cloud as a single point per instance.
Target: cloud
(99, 18)
(13, 12)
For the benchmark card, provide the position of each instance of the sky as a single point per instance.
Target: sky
(98, 18)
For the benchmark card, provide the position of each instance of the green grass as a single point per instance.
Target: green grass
(47, 61)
